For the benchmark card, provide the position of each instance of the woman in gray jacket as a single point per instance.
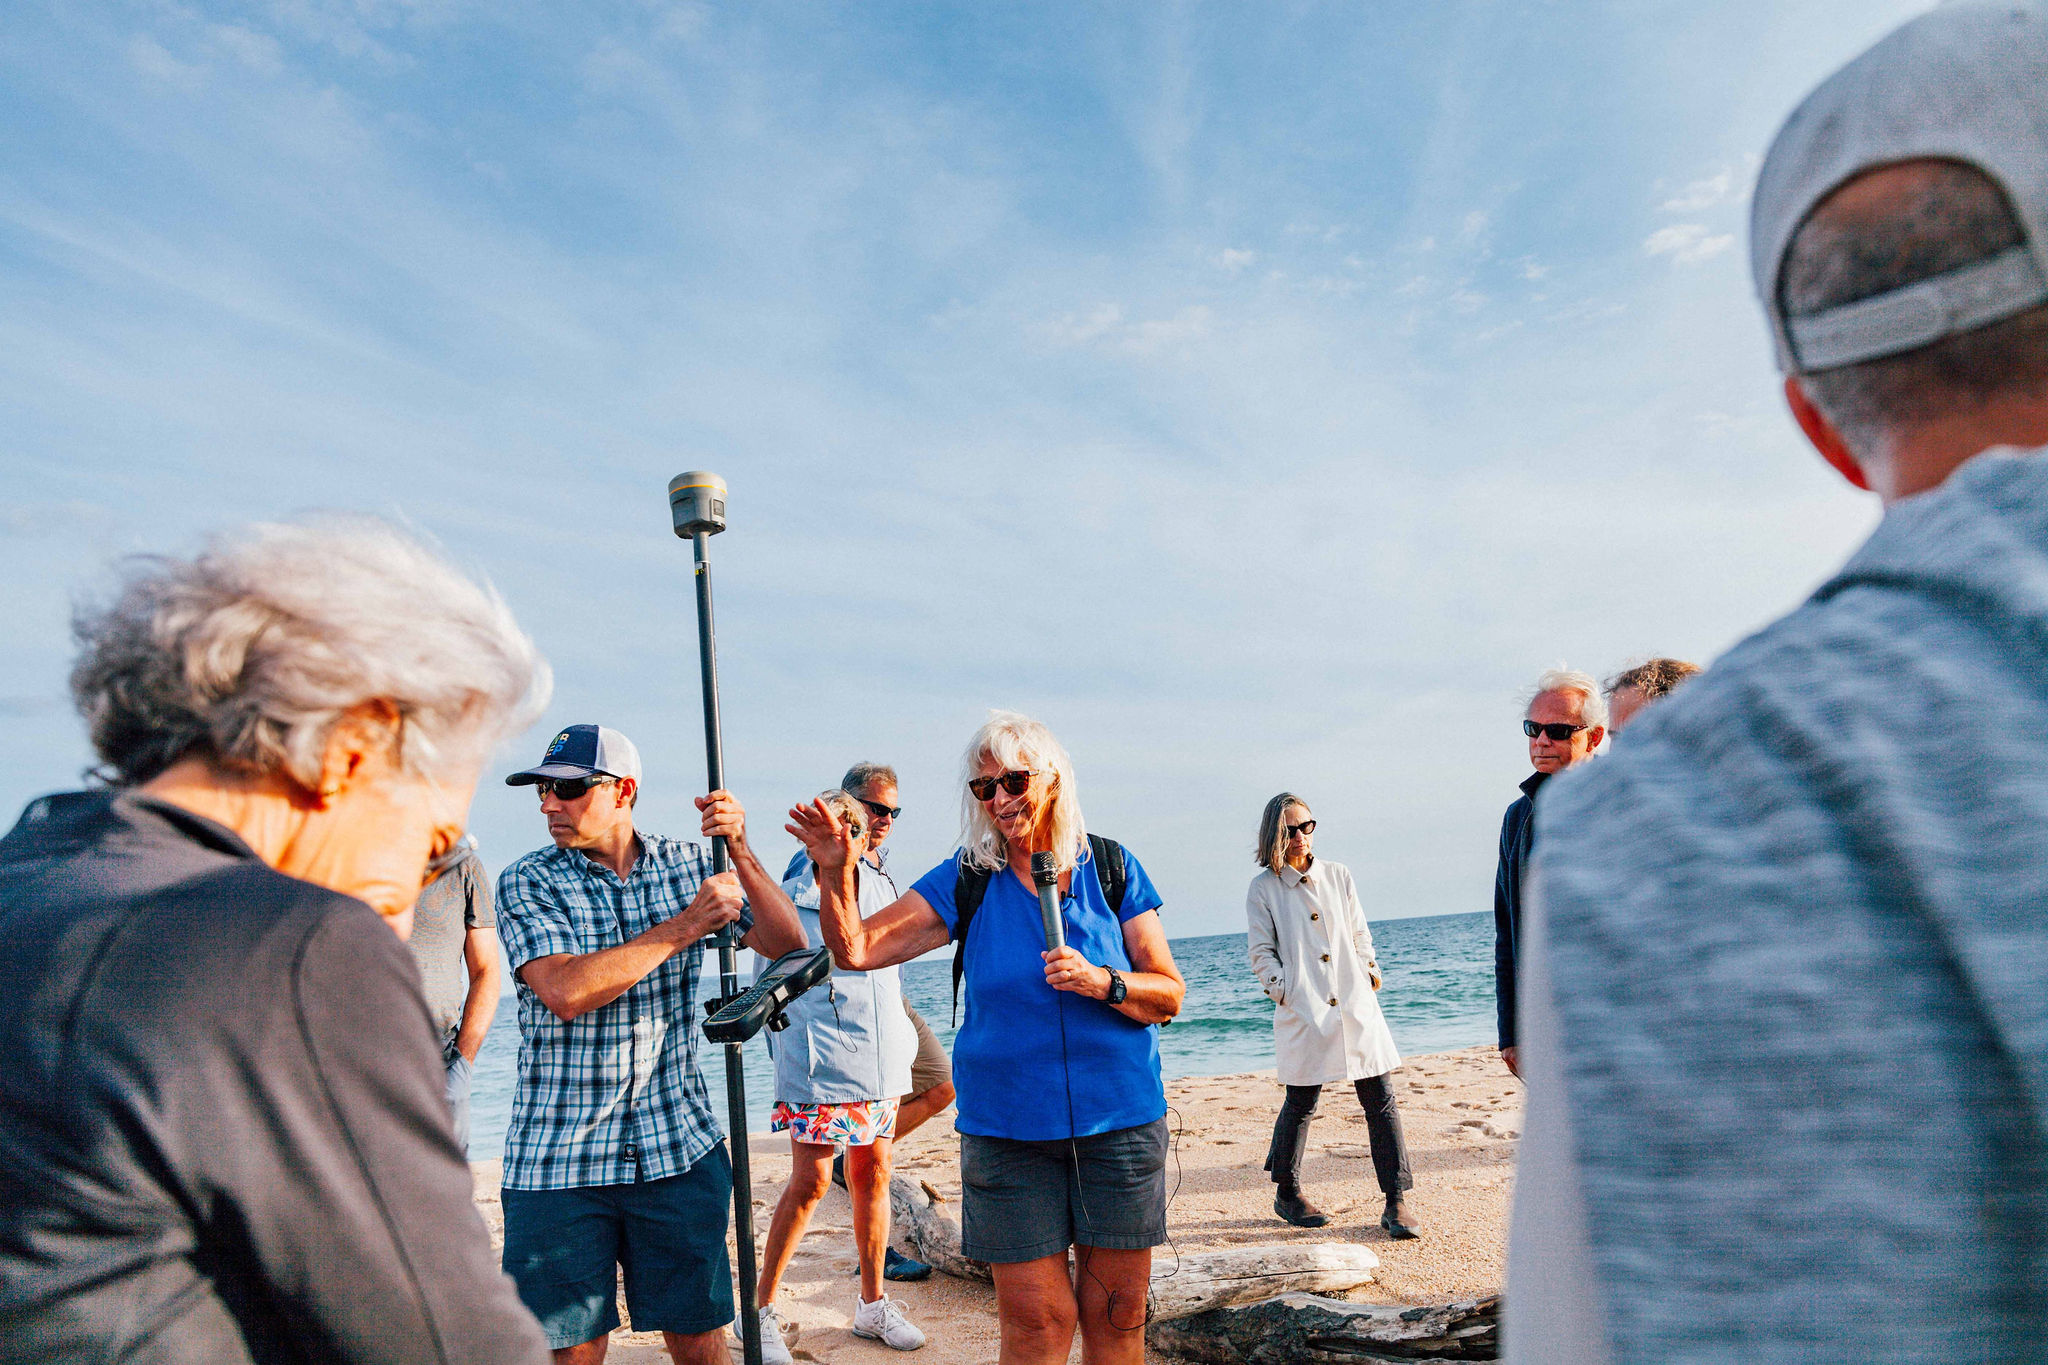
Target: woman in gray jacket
(839, 1068)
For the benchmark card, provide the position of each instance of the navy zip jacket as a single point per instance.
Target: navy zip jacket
(1517, 828)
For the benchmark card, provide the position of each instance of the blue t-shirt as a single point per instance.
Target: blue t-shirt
(1036, 1064)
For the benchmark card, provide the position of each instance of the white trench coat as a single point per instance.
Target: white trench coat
(1310, 948)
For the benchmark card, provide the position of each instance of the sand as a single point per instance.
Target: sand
(1461, 1112)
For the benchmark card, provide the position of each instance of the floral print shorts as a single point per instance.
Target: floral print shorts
(857, 1123)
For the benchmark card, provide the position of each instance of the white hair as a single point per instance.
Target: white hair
(1017, 741)
(1592, 703)
(249, 652)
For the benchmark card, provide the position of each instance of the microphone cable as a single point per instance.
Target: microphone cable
(1080, 1189)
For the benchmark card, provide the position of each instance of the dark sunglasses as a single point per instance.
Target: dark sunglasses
(568, 788)
(878, 810)
(449, 861)
(1016, 782)
(1557, 731)
(1305, 827)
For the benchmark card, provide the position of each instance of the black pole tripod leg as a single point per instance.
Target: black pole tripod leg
(728, 978)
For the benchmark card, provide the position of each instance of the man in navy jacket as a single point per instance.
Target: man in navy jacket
(1565, 722)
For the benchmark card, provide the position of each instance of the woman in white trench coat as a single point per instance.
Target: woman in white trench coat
(1312, 952)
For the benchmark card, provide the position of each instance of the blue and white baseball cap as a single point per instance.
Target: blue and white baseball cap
(583, 751)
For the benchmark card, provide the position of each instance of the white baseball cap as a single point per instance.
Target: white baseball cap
(1966, 82)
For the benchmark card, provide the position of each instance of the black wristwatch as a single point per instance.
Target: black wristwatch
(1118, 987)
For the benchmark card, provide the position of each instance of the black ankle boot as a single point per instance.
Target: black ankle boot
(1289, 1204)
(1399, 1225)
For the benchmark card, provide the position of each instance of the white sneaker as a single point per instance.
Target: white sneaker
(774, 1346)
(883, 1321)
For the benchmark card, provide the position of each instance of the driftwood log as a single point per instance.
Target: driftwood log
(1206, 1280)
(933, 1236)
(1196, 1283)
(1308, 1328)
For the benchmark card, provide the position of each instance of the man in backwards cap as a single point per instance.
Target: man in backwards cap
(614, 1157)
(1786, 992)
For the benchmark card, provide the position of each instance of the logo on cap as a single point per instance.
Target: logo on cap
(561, 741)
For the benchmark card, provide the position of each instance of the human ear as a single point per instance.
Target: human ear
(364, 738)
(1821, 432)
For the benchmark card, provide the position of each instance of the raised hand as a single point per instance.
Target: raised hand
(824, 835)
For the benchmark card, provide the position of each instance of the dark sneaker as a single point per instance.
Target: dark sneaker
(897, 1266)
(1299, 1211)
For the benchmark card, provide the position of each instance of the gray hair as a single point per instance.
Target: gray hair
(1592, 705)
(861, 776)
(851, 812)
(1272, 848)
(249, 652)
(1017, 741)
(1956, 217)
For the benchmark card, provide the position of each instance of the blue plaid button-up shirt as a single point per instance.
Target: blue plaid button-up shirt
(616, 1095)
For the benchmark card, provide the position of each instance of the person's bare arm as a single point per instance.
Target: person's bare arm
(480, 955)
(1154, 985)
(572, 984)
(898, 932)
(776, 929)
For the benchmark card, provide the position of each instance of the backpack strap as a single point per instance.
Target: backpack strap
(970, 884)
(1109, 870)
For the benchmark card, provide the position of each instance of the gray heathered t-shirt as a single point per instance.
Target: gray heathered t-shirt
(458, 901)
(1797, 944)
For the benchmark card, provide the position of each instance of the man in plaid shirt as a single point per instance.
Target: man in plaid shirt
(614, 1157)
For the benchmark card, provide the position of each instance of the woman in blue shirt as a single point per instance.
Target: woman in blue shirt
(1061, 1105)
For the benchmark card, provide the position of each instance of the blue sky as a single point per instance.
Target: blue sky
(1260, 395)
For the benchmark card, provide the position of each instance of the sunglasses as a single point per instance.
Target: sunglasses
(449, 861)
(878, 810)
(568, 788)
(1305, 827)
(1016, 782)
(1557, 731)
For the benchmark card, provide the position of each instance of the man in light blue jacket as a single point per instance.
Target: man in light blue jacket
(840, 1069)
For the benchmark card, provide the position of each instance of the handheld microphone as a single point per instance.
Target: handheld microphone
(1045, 874)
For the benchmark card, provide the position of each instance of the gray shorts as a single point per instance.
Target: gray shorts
(1023, 1200)
(931, 1066)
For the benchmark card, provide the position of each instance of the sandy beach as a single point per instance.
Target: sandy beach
(1461, 1111)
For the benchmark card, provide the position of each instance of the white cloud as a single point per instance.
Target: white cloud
(1702, 194)
(1079, 329)
(1189, 324)
(1233, 259)
(1104, 326)
(1687, 243)
(1532, 270)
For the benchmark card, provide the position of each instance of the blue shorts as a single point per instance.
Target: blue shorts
(564, 1249)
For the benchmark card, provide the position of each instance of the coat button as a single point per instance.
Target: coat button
(1333, 999)
(1326, 957)
(1313, 915)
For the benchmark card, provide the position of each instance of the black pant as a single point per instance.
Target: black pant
(1382, 1126)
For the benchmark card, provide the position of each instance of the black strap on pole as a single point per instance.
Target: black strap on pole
(728, 973)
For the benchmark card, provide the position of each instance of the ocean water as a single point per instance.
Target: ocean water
(1438, 995)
